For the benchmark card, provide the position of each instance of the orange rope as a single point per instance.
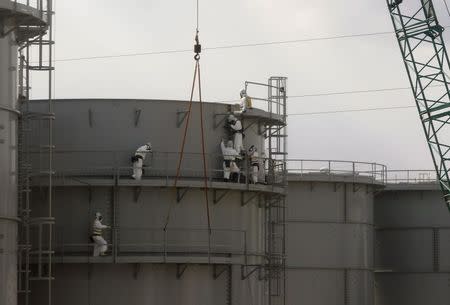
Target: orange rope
(180, 158)
(205, 174)
(197, 50)
(183, 142)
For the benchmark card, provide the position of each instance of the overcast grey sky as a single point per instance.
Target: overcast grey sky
(110, 27)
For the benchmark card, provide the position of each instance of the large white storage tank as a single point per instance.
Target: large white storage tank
(412, 243)
(20, 21)
(95, 140)
(329, 239)
(8, 169)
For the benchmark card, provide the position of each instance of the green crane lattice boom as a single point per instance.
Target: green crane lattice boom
(422, 46)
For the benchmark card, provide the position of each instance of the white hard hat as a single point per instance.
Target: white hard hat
(98, 214)
(231, 118)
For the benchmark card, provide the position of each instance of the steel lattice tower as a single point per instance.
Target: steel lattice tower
(426, 60)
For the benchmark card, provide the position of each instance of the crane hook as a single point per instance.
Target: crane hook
(197, 47)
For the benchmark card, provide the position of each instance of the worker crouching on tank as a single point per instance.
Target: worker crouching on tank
(100, 244)
(245, 102)
(138, 160)
(230, 169)
(253, 157)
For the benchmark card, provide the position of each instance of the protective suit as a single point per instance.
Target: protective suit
(229, 164)
(138, 160)
(245, 102)
(254, 163)
(236, 128)
(100, 244)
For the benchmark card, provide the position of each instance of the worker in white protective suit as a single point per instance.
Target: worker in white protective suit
(138, 160)
(100, 244)
(236, 127)
(254, 163)
(229, 162)
(245, 102)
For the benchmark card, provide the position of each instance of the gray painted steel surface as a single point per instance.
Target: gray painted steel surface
(412, 246)
(104, 133)
(329, 242)
(8, 170)
(150, 284)
(91, 137)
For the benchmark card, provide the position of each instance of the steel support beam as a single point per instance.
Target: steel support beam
(219, 195)
(181, 268)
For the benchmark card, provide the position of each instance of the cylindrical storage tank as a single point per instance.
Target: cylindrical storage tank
(8, 170)
(95, 140)
(14, 17)
(412, 245)
(329, 239)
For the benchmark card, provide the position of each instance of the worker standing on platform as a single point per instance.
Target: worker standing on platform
(254, 163)
(138, 160)
(100, 244)
(229, 163)
(236, 127)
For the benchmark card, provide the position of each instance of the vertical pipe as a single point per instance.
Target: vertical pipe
(27, 181)
(50, 140)
(165, 245)
(114, 222)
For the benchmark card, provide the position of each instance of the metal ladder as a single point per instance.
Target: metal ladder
(275, 134)
(35, 236)
(276, 137)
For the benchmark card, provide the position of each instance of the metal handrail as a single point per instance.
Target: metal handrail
(165, 243)
(36, 4)
(374, 171)
(117, 164)
(412, 176)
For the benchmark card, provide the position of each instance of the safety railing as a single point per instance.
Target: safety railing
(261, 97)
(40, 5)
(332, 168)
(160, 165)
(411, 176)
(163, 165)
(159, 243)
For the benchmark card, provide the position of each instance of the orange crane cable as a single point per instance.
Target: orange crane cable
(197, 50)
(183, 142)
(205, 172)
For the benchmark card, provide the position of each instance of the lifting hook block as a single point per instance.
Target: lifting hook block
(197, 47)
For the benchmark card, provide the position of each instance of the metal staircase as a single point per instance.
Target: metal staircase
(35, 206)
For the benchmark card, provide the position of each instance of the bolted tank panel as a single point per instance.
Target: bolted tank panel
(95, 140)
(8, 170)
(111, 130)
(412, 245)
(329, 242)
